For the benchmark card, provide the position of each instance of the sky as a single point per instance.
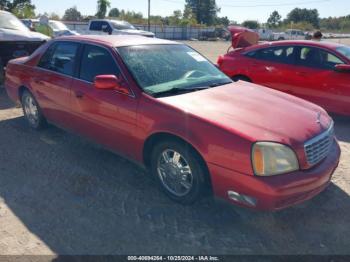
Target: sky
(236, 10)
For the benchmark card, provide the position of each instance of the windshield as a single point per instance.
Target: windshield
(120, 25)
(56, 25)
(9, 21)
(160, 68)
(345, 51)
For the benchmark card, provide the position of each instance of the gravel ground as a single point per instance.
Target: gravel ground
(60, 194)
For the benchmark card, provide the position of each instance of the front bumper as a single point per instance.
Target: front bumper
(276, 192)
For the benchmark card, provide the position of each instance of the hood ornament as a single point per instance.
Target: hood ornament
(318, 120)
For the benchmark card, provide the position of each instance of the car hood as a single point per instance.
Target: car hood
(137, 32)
(17, 35)
(243, 37)
(255, 112)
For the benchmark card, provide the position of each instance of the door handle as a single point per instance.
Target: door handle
(79, 94)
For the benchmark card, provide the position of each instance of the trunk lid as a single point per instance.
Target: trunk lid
(243, 37)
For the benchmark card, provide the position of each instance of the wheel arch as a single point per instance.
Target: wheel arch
(242, 76)
(158, 137)
(20, 92)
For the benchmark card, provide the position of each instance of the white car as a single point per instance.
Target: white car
(291, 34)
(115, 27)
(264, 34)
(60, 29)
(16, 40)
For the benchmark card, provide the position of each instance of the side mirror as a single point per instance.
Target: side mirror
(342, 68)
(110, 82)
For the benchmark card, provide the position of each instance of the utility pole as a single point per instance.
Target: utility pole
(149, 15)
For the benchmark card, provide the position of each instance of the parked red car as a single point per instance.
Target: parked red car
(316, 71)
(164, 106)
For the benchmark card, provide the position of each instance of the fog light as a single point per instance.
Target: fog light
(242, 198)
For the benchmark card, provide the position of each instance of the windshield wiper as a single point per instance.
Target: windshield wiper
(220, 84)
(181, 90)
(178, 90)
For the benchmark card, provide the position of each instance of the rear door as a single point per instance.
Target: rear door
(105, 116)
(272, 67)
(317, 81)
(52, 81)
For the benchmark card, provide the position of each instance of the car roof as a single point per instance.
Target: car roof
(119, 40)
(320, 44)
(108, 20)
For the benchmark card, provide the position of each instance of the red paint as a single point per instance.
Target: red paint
(329, 88)
(243, 37)
(221, 123)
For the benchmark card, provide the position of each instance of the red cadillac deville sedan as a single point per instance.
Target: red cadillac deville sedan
(316, 71)
(163, 105)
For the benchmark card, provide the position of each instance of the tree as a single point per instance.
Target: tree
(72, 14)
(274, 20)
(222, 21)
(102, 6)
(188, 18)
(25, 11)
(205, 12)
(176, 18)
(54, 16)
(251, 24)
(114, 12)
(339, 24)
(304, 15)
(21, 8)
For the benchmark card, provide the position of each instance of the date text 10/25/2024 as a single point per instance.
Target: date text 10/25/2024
(173, 258)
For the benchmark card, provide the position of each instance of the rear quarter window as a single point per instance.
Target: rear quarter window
(60, 58)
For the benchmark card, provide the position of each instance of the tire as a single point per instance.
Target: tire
(32, 112)
(281, 39)
(241, 78)
(183, 188)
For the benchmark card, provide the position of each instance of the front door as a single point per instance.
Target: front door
(106, 116)
(317, 80)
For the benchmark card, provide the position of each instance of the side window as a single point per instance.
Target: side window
(97, 61)
(96, 26)
(330, 60)
(45, 60)
(61, 58)
(317, 58)
(106, 27)
(283, 54)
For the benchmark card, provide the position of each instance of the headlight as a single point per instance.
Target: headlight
(271, 159)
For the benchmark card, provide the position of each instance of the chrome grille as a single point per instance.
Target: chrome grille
(318, 147)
